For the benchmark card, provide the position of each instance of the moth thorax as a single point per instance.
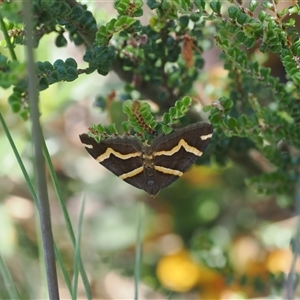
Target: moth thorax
(148, 157)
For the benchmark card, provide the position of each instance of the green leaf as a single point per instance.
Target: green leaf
(252, 5)
(153, 4)
(166, 118)
(195, 17)
(61, 41)
(184, 21)
(104, 68)
(123, 22)
(240, 37)
(121, 6)
(138, 3)
(59, 63)
(126, 126)
(76, 13)
(71, 62)
(291, 22)
(200, 4)
(47, 66)
(24, 114)
(232, 123)
(232, 12)
(167, 129)
(43, 84)
(208, 108)
(262, 15)
(71, 74)
(293, 9)
(215, 119)
(227, 103)
(172, 112)
(242, 18)
(99, 127)
(111, 128)
(186, 101)
(250, 42)
(138, 13)
(127, 107)
(215, 6)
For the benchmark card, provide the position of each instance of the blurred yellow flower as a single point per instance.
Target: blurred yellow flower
(280, 261)
(202, 176)
(178, 272)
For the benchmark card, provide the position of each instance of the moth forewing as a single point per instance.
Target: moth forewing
(174, 153)
(180, 149)
(118, 155)
(155, 166)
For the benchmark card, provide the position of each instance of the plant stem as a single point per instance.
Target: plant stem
(7, 39)
(43, 200)
(139, 249)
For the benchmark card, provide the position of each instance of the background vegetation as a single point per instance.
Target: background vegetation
(227, 229)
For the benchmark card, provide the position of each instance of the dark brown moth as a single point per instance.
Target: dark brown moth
(155, 166)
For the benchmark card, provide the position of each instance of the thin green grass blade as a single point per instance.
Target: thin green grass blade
(9, 283)
(32, 192)
(34, 196)
(77, 258)
(19, 160)
(66, 217)
(139, 249)
(63, 269)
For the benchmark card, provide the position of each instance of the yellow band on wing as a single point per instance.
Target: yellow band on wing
(132, 173)
(182, 143)
(205, 137)
(168, 171)
(110, 151)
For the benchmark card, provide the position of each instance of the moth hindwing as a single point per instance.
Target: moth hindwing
(155, 166)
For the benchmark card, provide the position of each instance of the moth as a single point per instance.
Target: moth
(151, 167)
